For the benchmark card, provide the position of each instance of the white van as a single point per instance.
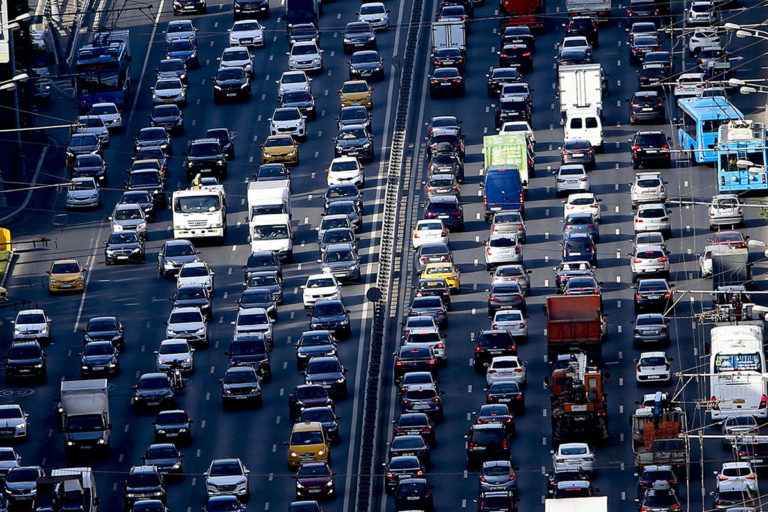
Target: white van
(584, 123)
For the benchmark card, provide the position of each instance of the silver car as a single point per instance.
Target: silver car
(305, 55)
(237, 57)
(441, 185)
(342, 261)
(180, 29)
(188, 323)
(178, 351)
(254, 320)
(650, 238)
(514, 272)
(648, 188)
(129, 217)
(93, 124)
(509, 222)
(571, 178)
(725, 210)
(512, 320)
(83, 193)
(169, 90)
(293, 81)
(649, 260)
(502, 248)
(652, 217)
(109, 114)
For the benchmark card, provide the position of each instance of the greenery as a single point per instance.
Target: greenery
(5, 259)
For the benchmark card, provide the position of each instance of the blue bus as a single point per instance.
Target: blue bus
(701, 119)
(103, 70)
(741, 156)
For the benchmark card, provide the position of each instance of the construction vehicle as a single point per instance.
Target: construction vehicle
(655, 431)
(575, 323)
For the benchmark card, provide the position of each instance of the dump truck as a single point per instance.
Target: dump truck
(575, 323)
(523, 12)
(83, 411)
(655, 431)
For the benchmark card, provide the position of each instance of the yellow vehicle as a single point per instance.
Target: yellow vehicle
(66, 276)
(445, 271)
(356, 92)
(308, 444)
(280, 149)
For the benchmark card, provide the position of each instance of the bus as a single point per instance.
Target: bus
(736, 367)
(701, 120)
(741, 156)
(103, 70)
(509, 150)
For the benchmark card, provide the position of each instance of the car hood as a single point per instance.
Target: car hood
(351, 143)
(226, 480)
(314, 481)
(271, 245)
(82, 194)
(366, 65)
(151, 393)
(26, 328)
(166, 93)
(230, 82)
(169, 358)
(128, 223)
(329, 318)
(317, 350)
(83, 149)
(21, 486)
(198, 303)
(88, 171)
(66, 277)
(11, 422)
(24, 362)
(179, 260)
(180, 54)
(186, 326)
(202, 280)
(117, 247)
(98, 360)
(241, 385)
(324, 290)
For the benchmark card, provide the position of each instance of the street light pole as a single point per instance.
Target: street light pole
(20, 162)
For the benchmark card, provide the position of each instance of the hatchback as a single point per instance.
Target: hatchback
(516, 55)
(652, 367)
(487, 442)
(509, 222)
(446, 208)
(578, 151)
(429, 231)
(513, 273)
(650, 329)
(574, 454)
(571, 178)
(413, 494)
(505, 296)
(580, 247)
(513, 321)
(653, 295)
(581, 223)
(647, 105)
(505, 368)
(725, 210)
(502, 248)
(649, 260)
(498, 475)
(735, 472)
(442, 184)
(651, 474)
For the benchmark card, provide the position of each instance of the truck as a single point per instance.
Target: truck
(83, 411)
(67, 490)
(449, 34)
(575, 323)
(580, 86)
(730, 267)
(593, 504)
(268, 197)
(200, 212)
(578, 402)
(655, 431)
(506, 151)
(599, 9)
(272, 232)
(523, 12)
(301, 11)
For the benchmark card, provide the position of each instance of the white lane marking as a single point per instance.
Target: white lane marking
(89, 266)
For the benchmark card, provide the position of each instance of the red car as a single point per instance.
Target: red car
(732, 238)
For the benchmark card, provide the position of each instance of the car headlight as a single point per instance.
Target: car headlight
(38, 366)
(157, 493)
(177, 465)
(367, 145)
(154, 96)
(70, 443)
(246, 84)
(117, 227)
(190, 164)
(161, 431)
(347, 40)
(294, 454)
(101, 441)
(188, 360)
(200, 331)
(321, 453)
(326, 270)
(220, 162)
(344, 322)
(329, 483)
(299, 486)
(340, 381)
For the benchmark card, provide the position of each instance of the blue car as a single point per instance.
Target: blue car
(581, 223)
(184, 49)
(580, 247)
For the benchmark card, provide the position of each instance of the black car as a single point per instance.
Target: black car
(25, 360)
(400, 467)
(169, 116)
(446, 81)
(90, 166)
(241, 385)
(165, 457)
(519, 34)
(99, 358)
(142, 198)
(651, 149)
(505, 295)
(415, 423)
(231, 83)
(263, 261)
(359, 35)
(413, 445)
(449, 57)
(251, 349)
(194, 295)
(446, 208)
(414, 493)
(149, 180)
(302, 32)
(578, 151)
(652, 76)
(225, 139)
(173, 254)
(500, 76)
(641, 45)
(652, 474)
(507, 392)
(153, 136)
(331, 315)
(105, 328)
(272, 172)
(172, 68)
(653, 295)
(497, 413)
(486, 442)
(327, 417)
(152, 153)
(305, 396)
(152, 390)
(492, 343)
(355, 114)
(447, 163)
(173, 425)
(512, 110)
(580, 247)
(659, 58)
(143, 482)
(583, 26)
(123, 246)
(205, 157)
(343, 192)
(303, 100)
(496, 501)
(430, 306)
(434, 287)
(650, 329)
(446, 144)
(354, 140)
(516, 55)
(187, 6)
(366, 65)
(328, 372)
(647, 105)
(415, 358)
(565, 474)
(643, 10)
(314, 344)
(661, 498)
(468, 5)
(574, 56)
(268, 279)
(250, 9)
(259, 297)
(433, 252)
(81, 144)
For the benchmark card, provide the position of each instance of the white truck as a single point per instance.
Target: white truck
(594, 504)
(83, 410)
(599, 9)
(449, 34)
(268, 197)
(272, 232)
(580, 86)
(200, 212)
(67, 489)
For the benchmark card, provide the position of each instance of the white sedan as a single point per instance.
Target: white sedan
(169, 90)
(506, 368)
(95, 125)
(429, 231)
(109, 114)
(512, 320)
(320, 287)
(574, 454)
(246, 33)
(196, 273)
(374, 13)
(584, 202)
(653, 367)
(175, 350)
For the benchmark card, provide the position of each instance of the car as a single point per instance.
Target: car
(248, 33)
(502, 248)
(328, 372)
(342, 261)
(172, 424)
(173, 255)
(653, 76)
(227, 477)
(650, 329)
(175, 353)
(519, 34)
(354, 114)
(169, 116)
(650, 238)
(734, 427)
(99, 358)
(303, 100)
(498, 475)
(31, 325)
(356, 92)
(690, 84)
(65, 276)
(94, 125)
(332, 315)
(492, 343)
(21, 485)
(401, 467)
(165, 457)
(574, 41)
(172, 68)
(366, 65)
(109, 114)
(586, 285)
(432, 252)
(647, 105)
(574, 57)
(498, 414)
(237, 57)
(571, 178)
(583, 26)
(506, 392)
(516, 91)
(737, 494)
(186, 6)
(643, 10)
(83, 193)
(444, 270)
(315, 479)
(262, 261)
(231, 84)
(512, 320)
(500, 76)
(9, 459)
(196, 272)
(153, 136)
(650, 147)
(655, 473)
(503, 368)
(653, 367)
(429, 335)
(449, 57)
(445, 125)
(259, 297)
(424, 398)
(193, 295)
(205, 157)
(516, 55)
(180, 29)
(410, 444)
(446, 208)
(648, 187)
(578, 151)
(446, 143)
(152, 390)
(725, 210)
(509, 222)
(303, 32)
(653, 217)
(415, 423)
(709, 56)
(359, 35)
(702, 38)
(169, 90)
(581, 223)
(241, 384)
(251, 350)
(579, 247)
(737, 472)
(510, 109)
(90, 166)
(14, 423)
(288, 120)
(225, 139)
(733, 239)
(639, 46)
(141, 198)
(280, 149)
(374, 13)
(305, 56)
(701, 13)
(251, 320)
(430, 306)
(434, 287)
(415, 357)
(428, 231)
(653, 295)
(347, 169)
(330, 223)
(305, 396)
(327, 418)
(486, 442)
(453, 12)
(124, 246)
(353, 140)
(568, 269)
(574, 455)
(419, 324)
(582, 202)
(496, 501)
(25, 360)
(414, 492)
(649, 260)
(293, 81)
(343, 193)
(519, 127)
(153, 153)
(81, 144)
(307, 443)
(446, 81)
(188, 323)
(268, 279)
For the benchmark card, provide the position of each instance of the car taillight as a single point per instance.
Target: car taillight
(750, 477)
(423, 259)
(675, 507)
(432, 81)
(667, 295)
(505, 444)
(527, 54)
(430, 214)
(665, 219)
(390, 475)
(398, 363)
(416, 234)
(638, 296)
(478, 349)
(662, 260)
(635, 105)
(435, 399)
(583, 179)
(457, 212)
(432, 361)
(665, 146)
(661, 189)
(635, 148)
(740, 210)
(637, 260)
(456, 80)
(471, 445)
(517, 249)
(763, 400)
(517, 297)
(406, 401)
(488, 250)
(426, 430)
(503, 55)
(521, 325)
(518, 370)
(400, 431)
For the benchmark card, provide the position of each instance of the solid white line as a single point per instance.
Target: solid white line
(146, 61)
(89, 266)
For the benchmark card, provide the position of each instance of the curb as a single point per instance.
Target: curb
(14, 214)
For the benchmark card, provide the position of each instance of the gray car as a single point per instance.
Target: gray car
(173, 254)
(83, 193)
(342, 261)
(509, 222)
(498, 475)
(433, 252)
(81, 144)
(129, 217)
(172, 68)
(442, 184)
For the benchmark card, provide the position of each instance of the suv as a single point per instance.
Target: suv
(486, 442)
(500, 76)
(492, 343)
(647, 105)
(423, 398)
(650, 147)
(331, 315)
(583, 26)
(649, 259)
(648, 188)
(206, 157)
(446, 208)
(143, 482)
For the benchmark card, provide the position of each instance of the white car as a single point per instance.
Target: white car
(320, 287)
(705, 258)
(169, 90)
(652, 217)
(648, 187)
(690, 84)
(514, 272)
(574, 454)
(519, 126)
(725, 210)
(502, 248)
(8, 459)
(571, 178)
(227, 476)
(109, 114)
(374, 13)
(737, 472)
(506, 368)
(585, 202)
(649, 260)
(288, 120)
(95, 125)
(346, 169)
(701, 13)
(649, 238)
(575, 43)
(32, 324)
(188, 323)
(180, 29)
(653, 367)
(305, 56)
(246, 33)
(196, 272)
(13, 422)
(293, 81)
(237, 57)
(429, 231)
(83, 193)
(512, 320)
(702, 38)
(254, 320)
(175, 350)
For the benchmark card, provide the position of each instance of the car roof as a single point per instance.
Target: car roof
(307, 426)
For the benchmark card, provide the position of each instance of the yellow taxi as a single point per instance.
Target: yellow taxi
(308, 443)
(356, 92)
(280, 149)
(66, 276)
(443, 270)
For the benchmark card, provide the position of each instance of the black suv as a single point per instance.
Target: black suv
(517, 55)
(231, 84)
(449, 57)
(143, 482)
(415, 358)
(241, 384)
(650, 148)
(329, 373)
(486, 442)
(205, 157)
(263, 261)
(331, 315)
(25, 360)
(652, 76)
(415, 423)
(518, 34)
(647, 105)
(583, 26)
(105, 328)
(359, 35)
(173, 425)
(251, 9)
(500, 76)
(225, 138)
(492, 343)
(354, 140)
(512, 110)
(313, 344)
(251, 349)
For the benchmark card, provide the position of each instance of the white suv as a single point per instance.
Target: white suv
(346, 169)
(725, 210)
(653, 367)
(648, 188)
(649, 260)
(585, 202)
(320, 287)
(288, 120)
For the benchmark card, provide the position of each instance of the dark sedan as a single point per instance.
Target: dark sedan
(313, 344)
(413, 445)
(653, 295)
(507, 392)
(650, 329)
(500, 76)
(415, 423)
(315, 479)
(124, 246)
(414, 494)
(366, 65)
(327, 417)
(306, 396)
(169, 116)
(449, 57)
(231, 84)
(505, 296)
(303, 100)
(194, 295)
(433, 306)
(354, 140)
(105, 328)
(25, 360)
(173, 425)
(415, 358)
(580, 247)
(153, 390)
(574, 56)
(400, 467)
(578, 151)
(447, 163)
(165, 456)
(446, 81)
(359, 35)
(330, 315)
(90, 166)
(512, 110)
(99, 358)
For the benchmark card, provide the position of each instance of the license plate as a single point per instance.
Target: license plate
(651, 151)
(572, 182)
(207, 169)
(122, 257)
(647, 109)
(479, 448)
(246, 41)
(449, 61)
(231, 94)
(412, 498)
(172, 434)
(86, 446)
(445, 83)
(577, 155)
(504, 400)
(24, 370)
(411, 454)
(653, 377)
(66, 286)
(314, 491)
(757, 461)
(653, 297)
(421, 406)
(738, 401)
(495, 351)
(99, 368)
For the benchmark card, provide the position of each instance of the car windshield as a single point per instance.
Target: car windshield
(362, 57)
(171, 65)
(310, 470)
(82, 185)
(164, 85)
(256, 297)
(230, 74)
(7, 454)
(323, 366)
(277, 232)
(99, 349)
(488, 436)
(573, 450)
(407, 442)
(88, 161)
(171, 417)
(83, 140)
(173, 348)
(328, 309)
(22, 475)
(337, 256)
(293, 78)
(307, 438)
(322, 414)
(161, 452)
(225, 468)
(239, 376)
(304, 49)
(286, 114)
(342, 207)
(579, 220)
(230, 55)
(502, 242)
(190, 292)
(144, 178)
(179, 27)
(650, 213)
(30, 318)
(652, 361)
(183, 317)
(420, 394)
(338, 236)
(666, 499)
(334, 222)
(173, 250)
(504, 387)
(306, 392)
(354, 87)
(252, 319)
(263, 280)
(353, 113)
(247, 25)
(100, 110)
(204, 149)
(24, 351)
(247, 347)
(165, 111)
(352, 133)
(321, 282)
(10, 412)
(65, 268)
(193, 271)
(273, 142)
(153, 382)
(123, 238)
(297, 97)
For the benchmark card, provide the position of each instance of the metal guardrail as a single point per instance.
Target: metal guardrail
(387, 251)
